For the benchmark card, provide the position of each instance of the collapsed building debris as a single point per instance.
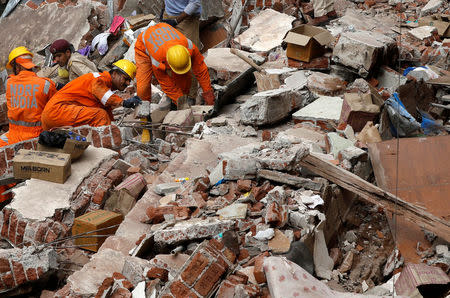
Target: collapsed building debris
(297, 182)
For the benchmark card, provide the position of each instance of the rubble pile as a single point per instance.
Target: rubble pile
(291, 189)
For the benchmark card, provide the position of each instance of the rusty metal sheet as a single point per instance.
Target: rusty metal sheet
(423, 180)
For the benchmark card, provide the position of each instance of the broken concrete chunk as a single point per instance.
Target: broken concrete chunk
(322, 110)
(142, 110)
(431, 6)
(258, 39)
(265, 234)
(269, 107)
(297, 80)
(353, 154)
(325, 84)
(192, 229)
(223, 65)
(336, 143)
(234, 211)
(423, 32)
(279, 244)
(179, 118)
(363, 50)
(166, 188)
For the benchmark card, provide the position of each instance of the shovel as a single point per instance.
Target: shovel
(264, 81)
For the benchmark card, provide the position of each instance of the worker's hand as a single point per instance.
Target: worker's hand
(171, 22)
(132, 102)
(209, 97)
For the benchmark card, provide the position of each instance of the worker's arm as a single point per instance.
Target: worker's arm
(104, 94)
(144, 71)
(168, 85)
(192, 8)
(200, 70)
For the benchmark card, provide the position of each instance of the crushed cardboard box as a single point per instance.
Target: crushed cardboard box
(94, 221)
(49, 166)
(307, 42)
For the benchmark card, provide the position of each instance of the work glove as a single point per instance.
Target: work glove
(209, 97)
(132, 102)
(59, 86)
(171, 22)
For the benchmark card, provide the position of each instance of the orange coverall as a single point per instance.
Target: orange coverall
(26, 96)
(150, 54)
(87, 100)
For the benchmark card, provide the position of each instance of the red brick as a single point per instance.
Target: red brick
(106, 131)
(160, 273)
(217, 244)
(40, 272)
(106, 142)
(209, 279)
(9, 153)
(31, 274)
(117, 137)
(40, 233)
(259, 3)
(278, 6)
(194, 269)
(4, 265)
(243, 254)
(127, 284)
(12, 228)
(121, 293)
(258, 270)
(20, 231)
(95, 181)
(96, 138)
(19, 273)
(32, 5)
(51, 236)
(2, 163)
(297, 234)
(156, 214)
(116, 176)
(99, 196)
(5, 227)
(268, 3)
(179, 290)
(8, 280)
(244, 185)
(319, 63)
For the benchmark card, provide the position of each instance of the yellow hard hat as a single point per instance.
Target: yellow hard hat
(19, 51)
(179, 59)
(127, 67)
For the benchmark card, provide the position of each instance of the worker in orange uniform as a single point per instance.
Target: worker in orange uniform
(26, 96)
(89, 99)
(163, 51)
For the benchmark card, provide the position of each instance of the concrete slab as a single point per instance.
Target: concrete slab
(223, 65)
(422, 32)
(258, 39)
(38, 199)
(86, 281)
(49, 22)
(323, 109)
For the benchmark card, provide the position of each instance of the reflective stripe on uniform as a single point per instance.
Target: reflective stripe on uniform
(106, 96)
(24, 123)
(4, 138)
(145, 45)
(155, 62)
(46, 87)
(96, 74)
(190, 44)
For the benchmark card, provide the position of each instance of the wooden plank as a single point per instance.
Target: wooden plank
(292, 180)
(377, 196)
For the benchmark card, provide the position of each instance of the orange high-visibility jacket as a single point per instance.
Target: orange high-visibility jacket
(150, 53)
(26, 95)
(87, 99)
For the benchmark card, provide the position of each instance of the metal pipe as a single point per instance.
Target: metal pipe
(177, 250)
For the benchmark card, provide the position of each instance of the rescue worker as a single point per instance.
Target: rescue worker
(71, 64)
(173, 59)
(184, 15)
(26, 96)
(89, 99)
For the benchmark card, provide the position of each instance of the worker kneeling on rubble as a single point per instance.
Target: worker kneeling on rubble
(163, 51)
(26, 96)
(89, 99)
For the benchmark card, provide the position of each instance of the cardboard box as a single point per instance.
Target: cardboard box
(358, 109)
(441, 22)
(49, 166)
(92, 221)
(71, 146)
(307, 42)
